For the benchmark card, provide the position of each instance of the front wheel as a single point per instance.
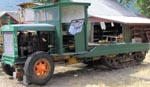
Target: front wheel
(39, 68)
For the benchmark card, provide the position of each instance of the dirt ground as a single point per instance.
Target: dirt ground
(79, 76)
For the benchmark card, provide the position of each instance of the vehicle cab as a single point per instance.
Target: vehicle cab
(60, 28)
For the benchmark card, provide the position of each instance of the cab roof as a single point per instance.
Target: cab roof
(23, 27)
(64, 3)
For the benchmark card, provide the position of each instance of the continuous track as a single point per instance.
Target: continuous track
(124, 60)
(119, 61)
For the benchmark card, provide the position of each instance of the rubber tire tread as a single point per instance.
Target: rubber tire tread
(29, 65)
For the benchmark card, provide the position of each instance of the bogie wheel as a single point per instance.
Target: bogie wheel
(39, 68)
(113, 63)
(139, 56)
(8, 69)
(89, 63)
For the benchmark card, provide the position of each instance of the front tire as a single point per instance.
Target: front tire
(39, 68)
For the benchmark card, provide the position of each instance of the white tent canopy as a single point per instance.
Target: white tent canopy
(127, 20)
(112, 10)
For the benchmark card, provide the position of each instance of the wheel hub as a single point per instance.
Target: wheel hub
(42, 68)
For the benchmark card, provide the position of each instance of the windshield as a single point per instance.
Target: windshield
(47, 14)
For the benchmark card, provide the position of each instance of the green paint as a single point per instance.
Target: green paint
(86, 27)
(115, 49)
(81, 39)
(8, 60)
(7, 28)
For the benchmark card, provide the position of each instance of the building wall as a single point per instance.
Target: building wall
(5, 19)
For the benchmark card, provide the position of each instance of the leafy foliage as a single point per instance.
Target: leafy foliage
(42, 1)
(143, 5)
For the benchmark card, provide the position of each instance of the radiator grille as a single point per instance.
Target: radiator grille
(8, 44)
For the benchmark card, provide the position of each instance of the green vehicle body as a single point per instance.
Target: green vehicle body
(6, 59)
(81, 43)
(81, 39)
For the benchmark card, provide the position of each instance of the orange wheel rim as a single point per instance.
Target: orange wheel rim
(42, 68)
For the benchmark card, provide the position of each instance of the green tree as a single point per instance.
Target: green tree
(143, 5)
(42, 1)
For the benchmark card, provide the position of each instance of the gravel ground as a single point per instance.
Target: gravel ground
(79, 76)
